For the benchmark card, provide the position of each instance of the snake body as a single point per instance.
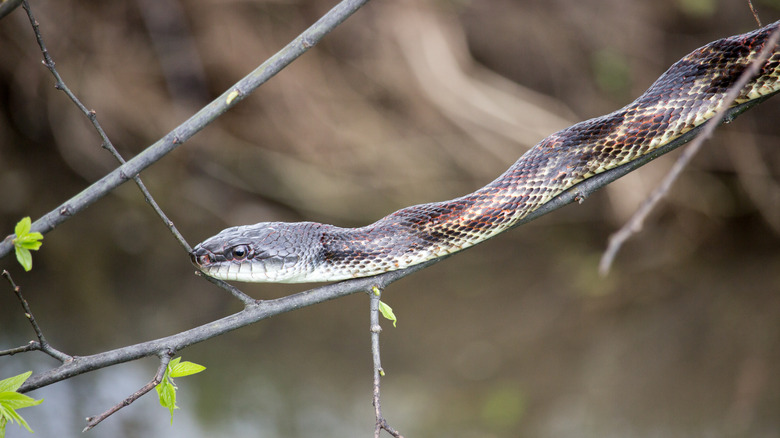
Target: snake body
(684, 97)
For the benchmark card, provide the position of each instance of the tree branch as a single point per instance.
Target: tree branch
(165, 359)
(254, 312)
(257, 311)
(92, 117)
(42, 344)
(8, 6)
(194, 124)
(634, 224)
(375, 294)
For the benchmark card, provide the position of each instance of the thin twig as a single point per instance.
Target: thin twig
(375, 295)
(42, 344)
(755, 13)
(375, 330)
(249, 315)
(30, 346)
(7, 6)
(246, 299)
(92, 116)
(634, 224)
(273, 65)
(165, 358)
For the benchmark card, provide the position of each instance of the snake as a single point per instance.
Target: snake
(684, 97)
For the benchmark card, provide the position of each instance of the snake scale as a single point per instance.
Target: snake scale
(684, 97)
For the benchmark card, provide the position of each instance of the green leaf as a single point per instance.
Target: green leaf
(387, 312)
(13, 383)
(24, 257)
(25, 241)
(31, 241)
(23, 226)
(166, 390)
(186, 369)
(10, 401)
(173, 363)
(14, 400)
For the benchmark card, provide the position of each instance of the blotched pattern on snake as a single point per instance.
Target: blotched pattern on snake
(685, 96)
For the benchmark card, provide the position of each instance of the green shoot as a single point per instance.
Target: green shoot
(10, 401)
(384, 309)
(25, 241)
(166, 390)
(387, 312)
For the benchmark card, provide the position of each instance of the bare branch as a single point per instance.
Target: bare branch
(198, 121)
(375, 294)
(246, 299)
(30, 346)
(253, 313)
(8, 6)
(376, 329)
(165, 359)
(42, 344)
(257, 311)
(634, 224)
(755, 13)
(92, 116)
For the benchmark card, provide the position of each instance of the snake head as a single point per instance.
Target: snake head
(264, 252)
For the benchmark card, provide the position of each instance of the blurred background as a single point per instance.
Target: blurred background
(406, 102)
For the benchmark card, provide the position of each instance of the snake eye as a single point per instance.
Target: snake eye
(239, 252)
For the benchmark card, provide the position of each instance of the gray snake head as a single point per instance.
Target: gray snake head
(265, 252)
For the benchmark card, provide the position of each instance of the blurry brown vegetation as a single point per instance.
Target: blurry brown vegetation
(406, 102)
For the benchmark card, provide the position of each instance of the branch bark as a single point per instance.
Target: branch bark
(257, 311)
(634, 224)
(253, 312)
(194, 124)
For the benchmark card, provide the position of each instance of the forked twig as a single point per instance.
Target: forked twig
(634, 224)
(92, 116)
(165, 358)
(231, 97)
(41, 344)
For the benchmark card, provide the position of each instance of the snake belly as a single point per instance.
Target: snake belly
(684, 97)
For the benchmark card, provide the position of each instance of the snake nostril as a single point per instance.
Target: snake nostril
(200, 260)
